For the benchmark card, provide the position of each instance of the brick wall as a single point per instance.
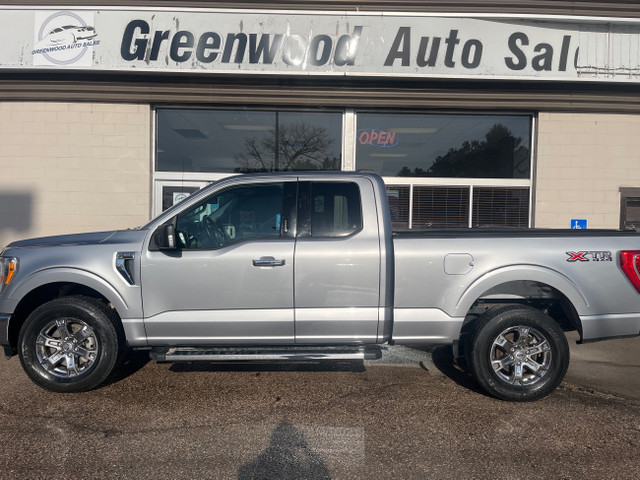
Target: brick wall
(73, 167)
(582, 161)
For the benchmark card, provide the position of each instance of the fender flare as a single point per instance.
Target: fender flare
(69, 275)
(513, 273)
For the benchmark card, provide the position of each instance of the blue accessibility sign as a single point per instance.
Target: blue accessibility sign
(578, 223)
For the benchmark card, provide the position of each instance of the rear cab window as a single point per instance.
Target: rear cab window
(329, 209)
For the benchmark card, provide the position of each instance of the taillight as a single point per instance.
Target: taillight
(630, 263)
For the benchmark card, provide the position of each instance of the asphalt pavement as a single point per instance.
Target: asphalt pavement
(611, 366)
(413, 415)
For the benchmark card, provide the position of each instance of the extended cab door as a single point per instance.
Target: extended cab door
(230, 278)
(337, 263)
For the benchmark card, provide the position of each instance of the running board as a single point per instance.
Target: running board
(264, 354)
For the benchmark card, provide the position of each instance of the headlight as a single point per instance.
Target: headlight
(8, 269)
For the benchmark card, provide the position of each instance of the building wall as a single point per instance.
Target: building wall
(73, 167)
(582, 161)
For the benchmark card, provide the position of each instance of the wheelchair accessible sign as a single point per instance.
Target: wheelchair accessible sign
(578, 224)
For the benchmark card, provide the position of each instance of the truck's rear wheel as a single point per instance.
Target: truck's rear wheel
(70, 344)
(518, 353)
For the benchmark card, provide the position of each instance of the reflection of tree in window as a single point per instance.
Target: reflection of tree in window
(499, 155)
(296, 146)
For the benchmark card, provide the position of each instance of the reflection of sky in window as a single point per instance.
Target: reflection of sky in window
(423, 138)
(210, 140)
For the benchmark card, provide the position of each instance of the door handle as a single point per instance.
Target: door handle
(268, 262)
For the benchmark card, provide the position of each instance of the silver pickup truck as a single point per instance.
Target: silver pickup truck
(305, 266)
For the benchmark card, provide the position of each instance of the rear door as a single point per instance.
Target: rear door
(337, 263)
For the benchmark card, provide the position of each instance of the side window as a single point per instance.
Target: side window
(329, 209)
(233, 215)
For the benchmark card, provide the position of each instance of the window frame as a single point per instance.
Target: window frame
(304, 215)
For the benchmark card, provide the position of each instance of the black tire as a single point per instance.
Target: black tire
(71, 344)
(518, 353)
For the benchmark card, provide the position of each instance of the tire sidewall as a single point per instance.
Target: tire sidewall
(491, 327)
(74, 308)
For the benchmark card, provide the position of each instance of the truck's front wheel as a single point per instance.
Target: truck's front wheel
(518, 353)
(70, 344)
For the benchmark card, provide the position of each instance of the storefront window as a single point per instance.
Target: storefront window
(445, 171)
(241, 141)
(430, 145)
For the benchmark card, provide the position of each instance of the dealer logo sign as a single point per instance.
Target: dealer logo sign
(64, 38)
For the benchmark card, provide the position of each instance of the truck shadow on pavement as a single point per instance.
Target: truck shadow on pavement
(443, 360)
(134, 361)
(302, 366)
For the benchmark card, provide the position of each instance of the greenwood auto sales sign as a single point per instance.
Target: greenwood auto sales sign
(318, 43)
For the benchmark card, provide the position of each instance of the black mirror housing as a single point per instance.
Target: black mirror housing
(164, 238)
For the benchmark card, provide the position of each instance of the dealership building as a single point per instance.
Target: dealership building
(476, 114)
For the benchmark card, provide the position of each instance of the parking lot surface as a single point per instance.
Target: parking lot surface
(414, 415)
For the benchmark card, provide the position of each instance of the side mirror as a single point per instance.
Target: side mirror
(165, 237)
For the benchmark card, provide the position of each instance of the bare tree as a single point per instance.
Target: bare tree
(295, 146)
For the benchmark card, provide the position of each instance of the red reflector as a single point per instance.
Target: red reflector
(630, 263)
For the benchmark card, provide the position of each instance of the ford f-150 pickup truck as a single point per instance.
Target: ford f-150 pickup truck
(293, 266)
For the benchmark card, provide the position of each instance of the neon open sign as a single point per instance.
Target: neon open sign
(377, 138)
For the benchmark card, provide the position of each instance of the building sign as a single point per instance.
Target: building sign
(303, 43)
(64, 38)
(377, 138)
(578, 223)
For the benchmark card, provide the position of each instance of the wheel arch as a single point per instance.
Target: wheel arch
(54, 284)
(540, 287)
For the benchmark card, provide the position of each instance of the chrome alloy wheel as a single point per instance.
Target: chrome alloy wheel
(520, 355)
(67, 347)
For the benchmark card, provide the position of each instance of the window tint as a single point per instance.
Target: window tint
(329, 209)
(431, 145)
(241, 141)
(233, 215)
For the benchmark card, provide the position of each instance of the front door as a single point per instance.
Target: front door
(230, 281)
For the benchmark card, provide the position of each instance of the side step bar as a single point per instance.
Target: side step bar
(264, 354)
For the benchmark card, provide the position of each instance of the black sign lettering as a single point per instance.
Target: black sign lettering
(158, 38)
(564, 53)
(208, 42)
(467, 60)
(131, 49)
(520, 56)
(320, 49)
(545, 59)
(346, 48)
(263, 49)
(181, 46)
(422, 60)
(403, 39)
(451, 42)
(241, 38)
